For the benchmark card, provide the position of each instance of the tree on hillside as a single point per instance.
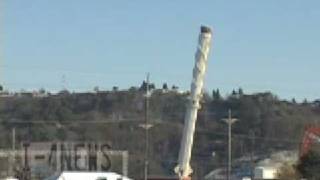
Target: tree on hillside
(234, 93)
(96, 89)
(240, 92)
(165, 86)
(144, 85)
(309, 165)
(152, 86)
(305, 101)
(42, 91)
(133, 89)
(216, 95)
(174, 87)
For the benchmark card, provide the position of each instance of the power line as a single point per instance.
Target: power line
(69, 122)
(236, 135)
(140, 120)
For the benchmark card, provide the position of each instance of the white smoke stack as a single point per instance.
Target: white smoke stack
(183, 169)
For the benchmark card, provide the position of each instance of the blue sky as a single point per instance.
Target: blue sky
(258, 45)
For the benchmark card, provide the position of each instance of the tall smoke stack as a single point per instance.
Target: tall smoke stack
(183, 168)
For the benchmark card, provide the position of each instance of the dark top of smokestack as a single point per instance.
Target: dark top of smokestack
(205, 29)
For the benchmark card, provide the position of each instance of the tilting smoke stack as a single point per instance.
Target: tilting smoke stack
(183, 169)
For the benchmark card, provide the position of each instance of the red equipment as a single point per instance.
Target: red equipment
(311, 135)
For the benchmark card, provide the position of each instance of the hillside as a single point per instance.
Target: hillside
(115, 116)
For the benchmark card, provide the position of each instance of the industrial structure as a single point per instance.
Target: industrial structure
(183, 168)
(311, 135)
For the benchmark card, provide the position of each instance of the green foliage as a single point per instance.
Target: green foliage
(216, 95)
(165, 86)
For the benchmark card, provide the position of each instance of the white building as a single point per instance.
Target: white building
(88, 176)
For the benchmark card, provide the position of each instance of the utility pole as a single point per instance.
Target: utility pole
(229, 121)
(252, 135)
(146, 125)
(13, 139)
(64, 82)
(13, 154)
(146, 158)
(26, 168)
